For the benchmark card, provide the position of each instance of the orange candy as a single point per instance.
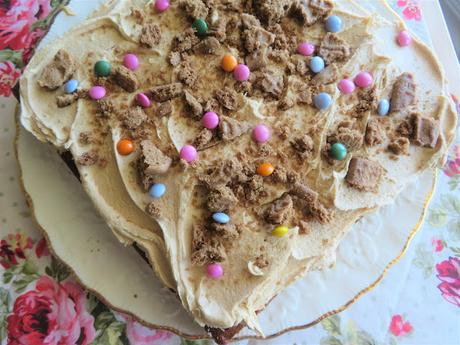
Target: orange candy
(265, 169)
(229, 63)
(125, 147)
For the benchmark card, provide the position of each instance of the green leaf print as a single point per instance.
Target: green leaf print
(15, 56)
(330, 340)
(111, 335)
(332, 325)
(4, 311)
(454, 182)
(456, 251)
(29, 268)
(424, 260)
(364, 338)
(57, 270)
(438, 217)
(454, 229)
(451, 203)
(104, 319)
(21, 284)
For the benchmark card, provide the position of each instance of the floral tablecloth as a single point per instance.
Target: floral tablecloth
(418, 301)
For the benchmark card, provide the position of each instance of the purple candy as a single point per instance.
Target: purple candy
(241, 72)
(188, 153)
(346, 86)
(97, 92)
(131, 62)
(210, 120)
(261, 133)
(306, 48)
(143, 100)
(215, 271)
(161, 5)
(363, 79)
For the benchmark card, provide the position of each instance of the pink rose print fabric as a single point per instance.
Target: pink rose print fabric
(411, 9)
(449, 274)
(399, 327)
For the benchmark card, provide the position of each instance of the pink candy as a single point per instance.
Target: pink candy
(97, 92)
(363, 79)
(215, 271)
(404, 39)
(241, 72)
(210, 120)
(188, 153)
(306, 49)
(261, 133)
(131, 62)
(143, 100)
(346, 86)
(161, 5)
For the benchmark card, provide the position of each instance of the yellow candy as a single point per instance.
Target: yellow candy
(280, 231)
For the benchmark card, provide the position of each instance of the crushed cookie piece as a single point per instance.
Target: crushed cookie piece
(308, 12)
(228, 98)
(205, 248)
(194, 107)
(303, 192)
(222, 173)
(211, 104)
(287, 102)
(58, 71)
(366, 102)
(253, 188)
(312, 207)
(279, 211)
(230, 129)
(279, 175)
(67, 99)
(403, 93)
(164, 109)
(209, 45)
(152, 162)
(399, 146)
(303, 146)
(305, 96)
(185, 41)
(292, 177)
(351, 138)
(256, 37)
(318, 212)
(150, 35)
(187, 74)
(174, 58)
(271, 83)
(133, 118)
(327, 76)
(257, 59)
(105, 108)
(363, 174)
(194, 8)
(261, 261)
(221, 199)
(203, 139)
(125, 78)
(138, 15)
(426, 131)
(304, 228)
(84, 138)
(153, 209)
(271, 11)
(249, 20)
(88, 158)
(374, 133)
(333, 49)
(225, 232)
(166, 92)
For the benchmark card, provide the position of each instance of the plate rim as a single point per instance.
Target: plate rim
(323, 316)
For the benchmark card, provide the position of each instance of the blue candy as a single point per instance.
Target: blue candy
(221, 217)
(323, 100)
(333, 24)
(384, 107)
(157, 190)
(316, 64)
(71, 86)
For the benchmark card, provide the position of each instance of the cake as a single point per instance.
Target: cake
(236, 142)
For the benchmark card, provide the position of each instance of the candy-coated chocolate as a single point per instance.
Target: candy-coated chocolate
(261, 133)
(188, 153)
(143, 100)
(229, 63)
(200, 26)
(71, 86)
(131, 61)
(265, 169)
(221, 217)
(241, 72)
(280, 231)
(338, 151)
(334, 24)
(210, 120)
(125, 147)
(97, 92)
(161, 5)
(157, 190)
(363, 79)
(102, 68)
(306, 49)
(404, 38)
(383, 107)
(214, 271)
(346, 86)
(323, 100)
(316, 64)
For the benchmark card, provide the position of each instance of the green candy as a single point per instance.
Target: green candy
(102, 68)
(200, 26)
(338, 151)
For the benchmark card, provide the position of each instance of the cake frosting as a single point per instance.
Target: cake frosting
(281, 225)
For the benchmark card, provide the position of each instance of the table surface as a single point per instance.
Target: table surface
(418, 302)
